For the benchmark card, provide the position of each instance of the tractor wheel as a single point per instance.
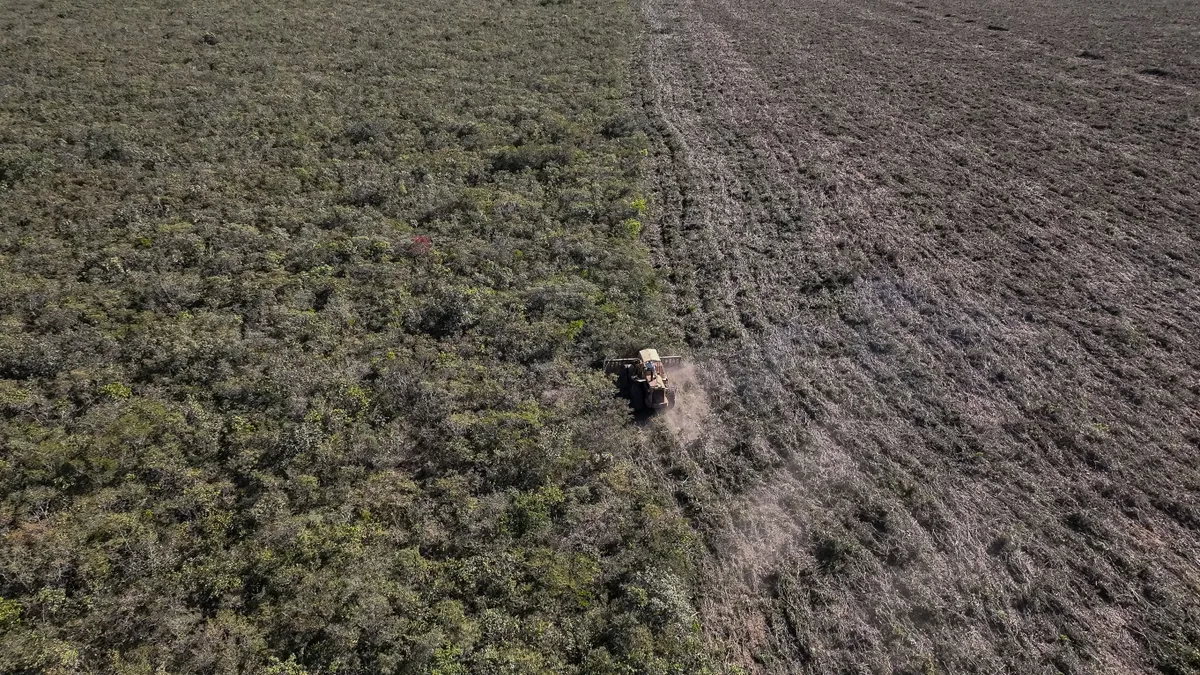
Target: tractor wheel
(637, 396)
(625, 383)
(670, 397)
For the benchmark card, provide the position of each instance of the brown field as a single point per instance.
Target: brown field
(937, 263)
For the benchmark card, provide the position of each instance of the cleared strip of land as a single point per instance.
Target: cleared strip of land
(941, 261)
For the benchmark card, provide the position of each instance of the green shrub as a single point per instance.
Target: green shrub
(358, 281)
(116, 391)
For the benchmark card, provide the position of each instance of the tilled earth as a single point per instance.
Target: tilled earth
(938, 263)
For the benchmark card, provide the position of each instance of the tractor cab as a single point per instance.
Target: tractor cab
(652, 368)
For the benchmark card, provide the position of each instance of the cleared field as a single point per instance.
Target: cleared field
(940, 261)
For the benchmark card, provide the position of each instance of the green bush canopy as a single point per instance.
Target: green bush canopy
(299, 312)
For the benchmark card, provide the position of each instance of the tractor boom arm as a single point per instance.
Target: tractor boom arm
(615, 365)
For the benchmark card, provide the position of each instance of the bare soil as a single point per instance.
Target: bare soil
(938, 265)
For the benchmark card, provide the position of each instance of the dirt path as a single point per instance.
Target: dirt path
(940, 265)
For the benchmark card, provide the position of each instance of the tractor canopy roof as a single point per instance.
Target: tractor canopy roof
(648, 355)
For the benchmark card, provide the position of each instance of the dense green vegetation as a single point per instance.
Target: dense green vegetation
(299, 310)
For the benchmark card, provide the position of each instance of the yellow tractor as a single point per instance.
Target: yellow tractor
(645, 380)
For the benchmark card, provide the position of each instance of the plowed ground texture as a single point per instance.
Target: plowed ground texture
(938, 264)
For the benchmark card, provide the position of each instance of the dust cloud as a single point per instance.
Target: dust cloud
(686, 418)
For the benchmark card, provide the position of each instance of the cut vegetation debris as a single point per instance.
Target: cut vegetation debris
(941, 285)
